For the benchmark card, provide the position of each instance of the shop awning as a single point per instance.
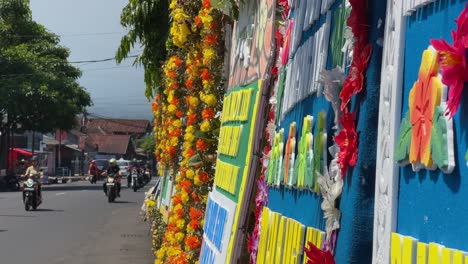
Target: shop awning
(22, 152)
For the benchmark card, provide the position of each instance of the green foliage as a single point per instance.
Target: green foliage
(158, 228)
(148, 143)
(39, 87)
(147, 22)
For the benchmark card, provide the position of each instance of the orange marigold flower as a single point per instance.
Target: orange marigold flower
(189, 84)
(179, 114)
(194, 224)
(190, 152)
(198, 21)
(192, 118)
(195, 197)
(203, 176)
(177, 61)
(208, 113)
(171, 74)
(195, 214)
(205, 75)
(202, 145)
(192, 242)
(211, 39)
(206, 4)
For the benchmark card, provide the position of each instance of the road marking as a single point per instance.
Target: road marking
(62, 193)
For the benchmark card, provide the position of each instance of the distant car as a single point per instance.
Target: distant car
(123, 165)
(102, 165)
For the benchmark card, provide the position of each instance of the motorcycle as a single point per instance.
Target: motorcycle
(111, 187)
(10, 183)
(147, 176)
(31, 194)
(135, 180)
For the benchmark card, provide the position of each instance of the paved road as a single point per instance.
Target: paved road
(74, 225)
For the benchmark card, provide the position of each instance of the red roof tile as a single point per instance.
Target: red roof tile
(114, 126)
(110, 144)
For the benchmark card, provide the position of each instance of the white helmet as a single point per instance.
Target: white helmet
(112, 161)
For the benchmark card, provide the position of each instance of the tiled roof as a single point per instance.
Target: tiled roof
(114, 126)
(110, 144)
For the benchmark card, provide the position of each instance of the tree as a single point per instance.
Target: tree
(38, 86)
(147, 22)
(147, 144)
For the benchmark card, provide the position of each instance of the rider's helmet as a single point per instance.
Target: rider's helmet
(93, 162)
(34, 159)
(134, 161)
(112, 161)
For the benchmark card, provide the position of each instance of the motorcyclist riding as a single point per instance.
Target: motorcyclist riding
(113, 169)
(133, 165)
(35, 173)
(93, 171)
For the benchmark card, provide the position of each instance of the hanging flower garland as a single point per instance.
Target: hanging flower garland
(200, 84)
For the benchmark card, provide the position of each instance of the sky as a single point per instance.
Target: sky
(91, 30)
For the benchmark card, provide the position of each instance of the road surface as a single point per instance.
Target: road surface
(74, 225)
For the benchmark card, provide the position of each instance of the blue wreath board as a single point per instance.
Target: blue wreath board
(432, 206)
(354, 244)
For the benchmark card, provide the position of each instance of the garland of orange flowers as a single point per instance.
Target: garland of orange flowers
(193, 90)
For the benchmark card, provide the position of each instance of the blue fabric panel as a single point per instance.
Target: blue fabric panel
(357, 204)
(354, 243)
(433, 206)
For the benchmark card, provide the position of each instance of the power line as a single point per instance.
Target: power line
(102, 60)
(70, 35)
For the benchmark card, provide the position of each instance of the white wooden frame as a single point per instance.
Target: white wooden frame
(387, 171)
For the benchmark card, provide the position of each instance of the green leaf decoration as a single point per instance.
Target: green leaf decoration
(318, 150)
(202, 135)
(439, 148)
(195, 160)
(404, 140)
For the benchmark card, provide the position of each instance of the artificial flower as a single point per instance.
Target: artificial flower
(347, 140)
(453, 61)
(202, 145)
(317, 256)
(208, 113)
(354, 82)
(192, 242)
(210, 99)
(423, 98)
(205, 126)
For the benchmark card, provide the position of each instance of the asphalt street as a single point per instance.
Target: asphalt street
(75, 225)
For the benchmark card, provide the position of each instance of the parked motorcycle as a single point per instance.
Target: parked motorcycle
(9, 183)
(111, 188)
(135, 180)
(31, 194)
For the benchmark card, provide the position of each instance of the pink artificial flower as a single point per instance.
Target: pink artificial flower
(452, 60)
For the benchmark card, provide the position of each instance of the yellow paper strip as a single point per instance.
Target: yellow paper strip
(434, 254)
(446, 256)
(396, 249)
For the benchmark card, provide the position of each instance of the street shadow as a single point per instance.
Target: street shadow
(97, 187)
(123, 202)
(49, 210)
(2, 230)
(19, 216)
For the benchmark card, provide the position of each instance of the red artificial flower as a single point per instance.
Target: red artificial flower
(208, 113)
(452, 60)
(347, 140)
(194, 224)
(354, 82)
(317, 256)
(202, 145)
(172, 151)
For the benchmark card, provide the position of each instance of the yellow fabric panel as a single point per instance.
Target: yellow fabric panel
(434, 254)
(408, 250)
(421, 253)
(263, 236)
(446, 256)
(395, 249)
(280, 240)
(226, 176)
(457, 257)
